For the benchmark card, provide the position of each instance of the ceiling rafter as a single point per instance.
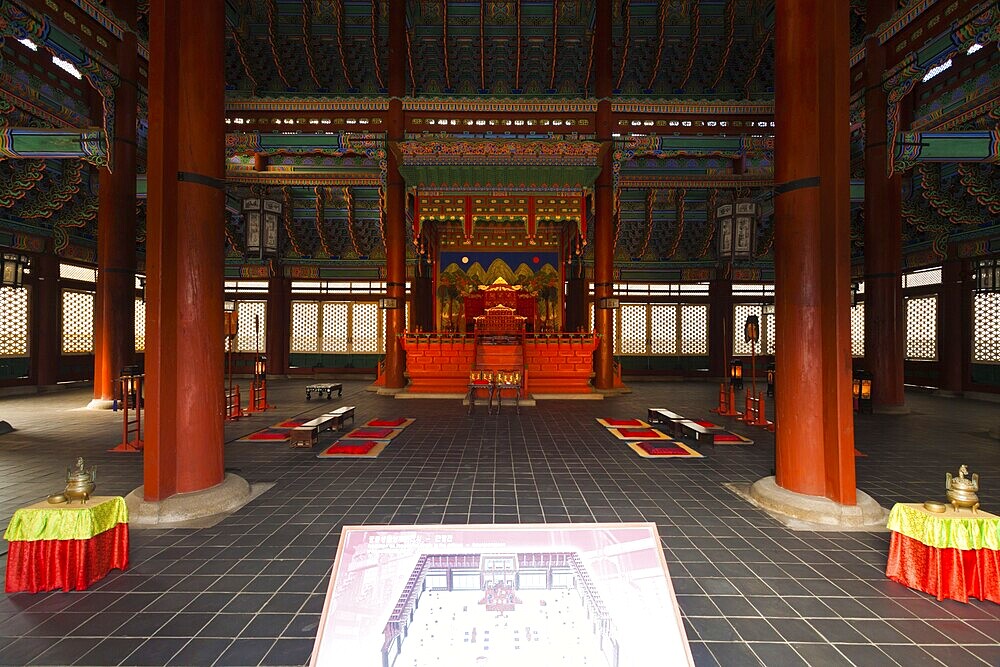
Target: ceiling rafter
(660, 35)
(555, 43)
(271, 9)
(517, 68)
(627, 20)
(374, 42)
(338, 8)
(695, 32)
(444, 45)
(482, 48)
(730, 36)
(756, 62)
(306, 30)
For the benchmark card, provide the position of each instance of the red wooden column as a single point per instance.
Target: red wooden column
(815, 434)
(279, 323)
(604, 222)
(720, 327)
(395, 209)
(954, 325)
(114, 316)
(45, 318)
(885, 327)
(184, 249)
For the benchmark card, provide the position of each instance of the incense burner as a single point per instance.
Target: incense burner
(80, 482)
(961, 490)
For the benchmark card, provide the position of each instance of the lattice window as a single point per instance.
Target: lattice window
(335, 327)
(81, 273)
(663, 329)
(922, 277)
(251, 326)
(921, 328)
(305, 327)
(767, 330)
(140, 325)
(77, 322)
(858, 330)
(634, 329)
(694, 329)
(13, 321)
(365, 329)
(986, 327)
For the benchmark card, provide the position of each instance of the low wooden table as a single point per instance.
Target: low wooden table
(324, 387)
(953, 555)
(307, 435)
(68, 546)
(692, 429)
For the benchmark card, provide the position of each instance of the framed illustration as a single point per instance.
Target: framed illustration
(724, 211)
(528, 594)
(272, 206)
(251, 204)
(746, 208)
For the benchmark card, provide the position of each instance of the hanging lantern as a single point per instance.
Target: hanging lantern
(12, 268)
(736, 373)
(261, 217)
(751, 329)
(988, 275)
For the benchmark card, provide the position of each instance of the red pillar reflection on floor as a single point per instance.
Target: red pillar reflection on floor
(604, 224)
(114, 305)
(885, 326)
(184, 251)
(395, 209)
(815, 430)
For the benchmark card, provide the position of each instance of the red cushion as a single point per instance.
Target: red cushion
(705, 424)
(375, 433)
(638, 433)
(360, 448)
(728, 437)
(623, 422)
(658, 449)
(387, 422)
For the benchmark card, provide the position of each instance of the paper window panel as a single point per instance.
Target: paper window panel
(335, 327)
(694, 329)
(633, 329)
(365, 334)
(77, 322)
(986, 327)
(663, 329)
(13, 321)
(921, 328)
(140, 325)
(251, 327)
(305, 327)
(858, 330)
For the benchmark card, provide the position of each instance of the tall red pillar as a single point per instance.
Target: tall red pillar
(604, 221)
(278, 318)
(46, 310)
(885, 331)
(954, 324)
(395, 209)
(720, 327)
(184, 249)
(815, 431)
(114, 309)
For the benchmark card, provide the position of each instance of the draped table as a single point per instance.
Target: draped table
(68, 546)
(952, 554)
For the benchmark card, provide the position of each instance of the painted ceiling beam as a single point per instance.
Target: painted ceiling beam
(30, 142)
(916, 147)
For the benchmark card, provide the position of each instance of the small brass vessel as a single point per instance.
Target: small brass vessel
(961, 490)
(935, 506)
(80, 482)
(57, 498)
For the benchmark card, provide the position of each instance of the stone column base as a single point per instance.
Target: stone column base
(799, 511)
(100, 404)
(196, 509)
(891, 409)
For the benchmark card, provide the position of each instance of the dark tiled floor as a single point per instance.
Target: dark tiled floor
(249, 591)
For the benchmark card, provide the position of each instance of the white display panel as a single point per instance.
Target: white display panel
(587, 597)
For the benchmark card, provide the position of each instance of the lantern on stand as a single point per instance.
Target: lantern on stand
(770, 378)
(862, 391)
(736, 373)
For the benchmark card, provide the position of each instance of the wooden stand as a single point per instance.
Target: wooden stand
(131, 393)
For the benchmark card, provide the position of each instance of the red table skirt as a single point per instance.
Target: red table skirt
(45, 565)
(947, 573)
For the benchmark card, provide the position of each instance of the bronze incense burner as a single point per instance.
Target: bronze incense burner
(961, 490)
